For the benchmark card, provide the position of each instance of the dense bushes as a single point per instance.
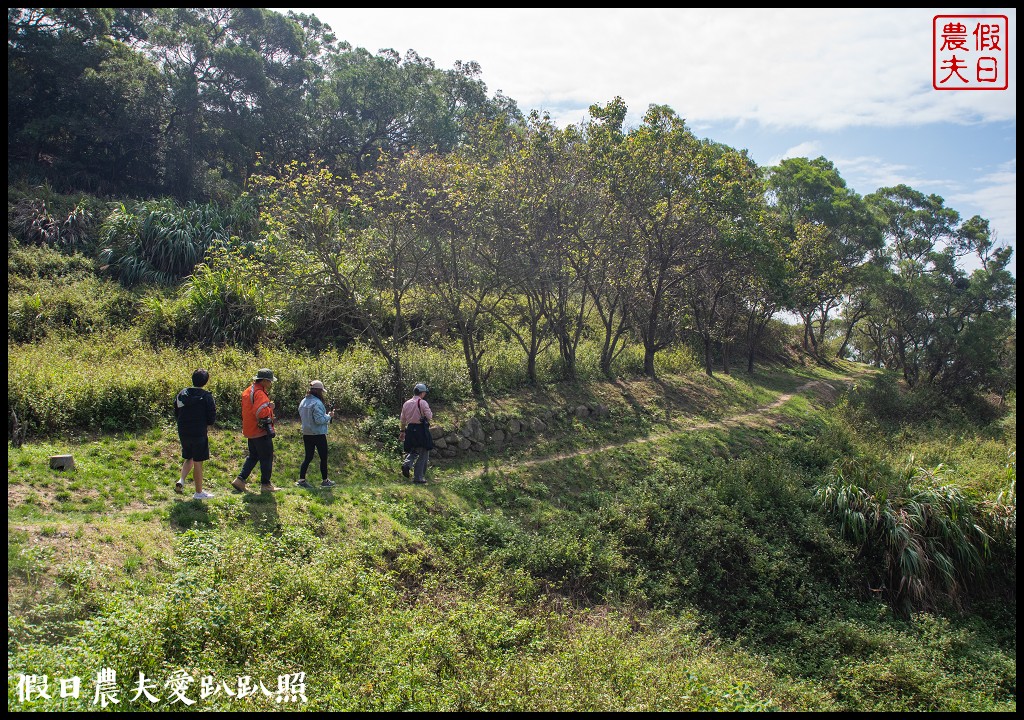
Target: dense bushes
(160, 242)
(41, 217)
(81, 306)
(924, 542)
(228, 300)
(324, 609)
(60, 385)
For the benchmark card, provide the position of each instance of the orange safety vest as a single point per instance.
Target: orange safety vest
(255, 404)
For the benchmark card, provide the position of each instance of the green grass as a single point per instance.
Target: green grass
(685, 567)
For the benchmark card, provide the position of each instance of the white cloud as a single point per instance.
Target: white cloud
(822, 69)
(996, 199)
(875, 172)
(809, 149)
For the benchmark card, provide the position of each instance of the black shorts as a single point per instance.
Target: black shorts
(195, 448)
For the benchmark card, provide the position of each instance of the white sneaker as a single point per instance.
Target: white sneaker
(202, 495)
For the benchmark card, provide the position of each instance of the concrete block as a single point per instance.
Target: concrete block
(62, 462)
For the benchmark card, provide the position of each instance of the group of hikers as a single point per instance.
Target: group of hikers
(196, 411)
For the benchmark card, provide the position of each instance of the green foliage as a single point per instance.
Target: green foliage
(924, 540)
(315, 319)
(26, 264)
(382, 429)
(891, 404)
(691, 572)
(82, 306)
(60, 385)
(229, 299)
(42, 217)
(159, 242)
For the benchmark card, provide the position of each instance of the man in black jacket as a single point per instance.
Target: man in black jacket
(195, 411)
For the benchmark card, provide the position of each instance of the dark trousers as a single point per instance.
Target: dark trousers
(318, 444)
(261, 450)
(416, 460)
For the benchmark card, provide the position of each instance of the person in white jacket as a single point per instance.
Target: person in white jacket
(316, 418)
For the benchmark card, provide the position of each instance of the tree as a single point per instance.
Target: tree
(765, 290)
(522, 163)
(370, 105)
(236, 77)
(85, 109)
(655, 174)
(730, 255)
(327, 238)
(466, 274)
(607, 265)
(940, 326)
(832, 232)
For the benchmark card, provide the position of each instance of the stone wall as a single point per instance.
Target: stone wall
(487, 434)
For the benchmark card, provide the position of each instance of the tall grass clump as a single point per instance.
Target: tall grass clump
(42, 217)
(27, 265)
(925, 541)
(161, 243)
(229, 299)
(114, 382)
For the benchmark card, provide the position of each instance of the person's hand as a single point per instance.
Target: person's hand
(271, 405)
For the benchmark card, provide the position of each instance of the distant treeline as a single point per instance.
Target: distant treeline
(380, 197)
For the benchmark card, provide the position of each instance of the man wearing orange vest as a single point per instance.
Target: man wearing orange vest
(258, 428)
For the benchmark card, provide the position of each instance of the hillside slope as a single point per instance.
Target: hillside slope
(668, 557)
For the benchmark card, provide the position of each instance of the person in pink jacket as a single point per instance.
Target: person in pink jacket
(415, 435)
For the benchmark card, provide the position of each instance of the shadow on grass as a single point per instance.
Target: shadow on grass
(261, 509)
(258, 509)
(190, 513)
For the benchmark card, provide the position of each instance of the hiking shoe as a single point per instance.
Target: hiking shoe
(419, 482)
(202, 495)
(327, 484)
(303, 483)
(268, 487)
(179, 487)
(238, 485)
(405, 472)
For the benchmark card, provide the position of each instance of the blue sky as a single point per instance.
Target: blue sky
(853, 85)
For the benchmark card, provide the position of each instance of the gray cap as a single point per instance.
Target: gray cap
(420, 387)
(265, 374)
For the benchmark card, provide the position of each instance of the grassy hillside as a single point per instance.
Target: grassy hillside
(810, 538)
(675, 555)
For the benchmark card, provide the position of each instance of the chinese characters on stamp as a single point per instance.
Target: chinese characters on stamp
(970, 52)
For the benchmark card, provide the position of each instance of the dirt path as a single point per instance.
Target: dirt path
(825, 391)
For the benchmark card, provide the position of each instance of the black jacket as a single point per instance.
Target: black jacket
(194, 410)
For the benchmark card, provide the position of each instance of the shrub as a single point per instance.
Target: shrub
(46, 389)
(41, 217)
(927, 539)
(159, 242)
(317, 319)
(28, 263)
(228, 300)
(383, 429)
(442, 369)
(83, 306)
